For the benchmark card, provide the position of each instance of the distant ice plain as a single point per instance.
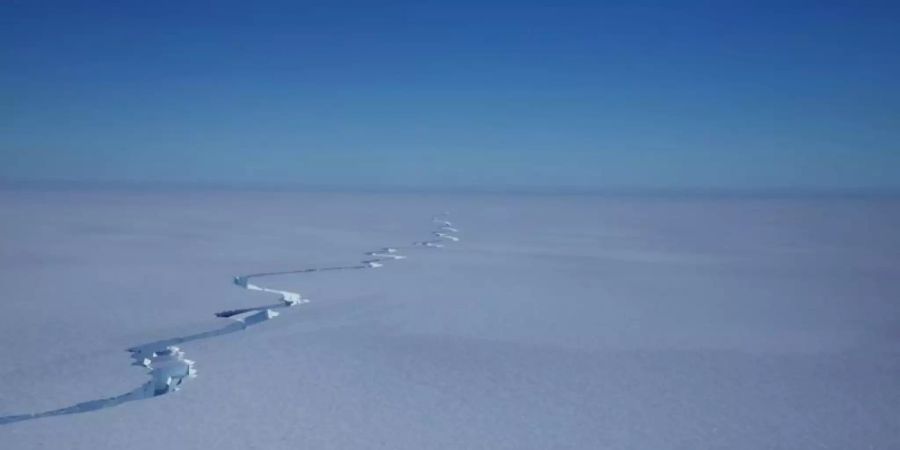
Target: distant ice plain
(557, 321)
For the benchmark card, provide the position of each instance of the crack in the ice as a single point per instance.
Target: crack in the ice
(164, 360)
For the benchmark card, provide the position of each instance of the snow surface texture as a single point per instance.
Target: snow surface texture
(560, 322)
(168, 368)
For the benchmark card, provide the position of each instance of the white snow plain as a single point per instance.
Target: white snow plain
(556, 321)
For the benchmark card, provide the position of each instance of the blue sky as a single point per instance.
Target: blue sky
(588, 95)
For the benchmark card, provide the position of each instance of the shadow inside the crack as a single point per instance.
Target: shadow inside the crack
(167, 366)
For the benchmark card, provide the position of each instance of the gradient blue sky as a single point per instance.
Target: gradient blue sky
(719, 94)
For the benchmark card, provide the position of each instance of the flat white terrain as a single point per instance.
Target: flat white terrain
(581, 322)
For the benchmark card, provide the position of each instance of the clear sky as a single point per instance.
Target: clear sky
(672, 94)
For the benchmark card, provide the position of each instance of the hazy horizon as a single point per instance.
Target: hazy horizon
(613, 191)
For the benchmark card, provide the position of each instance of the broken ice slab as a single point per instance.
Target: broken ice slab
(446, 236)
(385, 255)
(258, 317)
(168, 369)
(292, 298)
(289, 298)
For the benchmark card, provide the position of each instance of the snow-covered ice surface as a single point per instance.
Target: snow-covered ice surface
(555, 322)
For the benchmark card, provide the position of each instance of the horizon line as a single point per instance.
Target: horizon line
(614, 191)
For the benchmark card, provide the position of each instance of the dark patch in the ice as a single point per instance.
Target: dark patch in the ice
(167, 367)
